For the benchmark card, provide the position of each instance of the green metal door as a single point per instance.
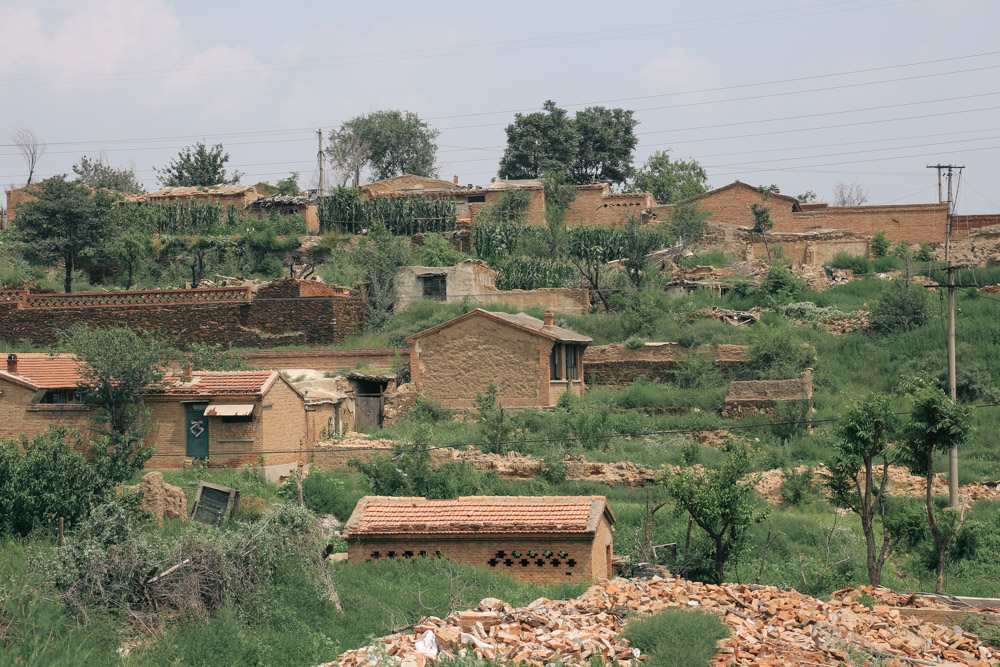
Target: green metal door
(197, 432)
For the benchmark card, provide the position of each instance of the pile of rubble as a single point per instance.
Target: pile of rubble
(736, 317)
(769, 626)
(514, 465)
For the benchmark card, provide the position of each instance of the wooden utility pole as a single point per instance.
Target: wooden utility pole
(319, 158)
(952, 381)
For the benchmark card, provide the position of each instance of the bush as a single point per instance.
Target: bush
(677, 637)
(780, 285)
(901, 307)
(798, 486)
(925, 253)
(437, 251)
(697, 371)
(856, 263)
(879, 245)
(428, 411)
(776, 353)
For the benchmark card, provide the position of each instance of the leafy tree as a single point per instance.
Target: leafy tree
(286, 186)
(806, 197)
(937, 423)
(901, 307)
(198, 166)
(119, 365)
(129, 242)
(388, 142)
(376, 260)
(213, 357)
(780, 285)
(605, 140)
(879, 245)
(437, 251)
(721, 502)
(775, 353)
(559, 194)
(99, 174)
(590, 250)
(688, 222)
(596, 144)
(493, 427)
(762, 222)
(670, 182)
(637, 242)
(66, 222)
(925, 253)
(539, 143)
(862, 443)
(511, 206)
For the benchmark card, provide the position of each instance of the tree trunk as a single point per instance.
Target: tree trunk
(939, 541)
(767, 249)
(874, 567)
(68, 282)
(720, 561)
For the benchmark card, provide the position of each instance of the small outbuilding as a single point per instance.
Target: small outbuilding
(531, 361)
(545, 539)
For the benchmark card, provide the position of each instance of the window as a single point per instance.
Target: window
(237, 419)
(435, 287)
(477, 199)
(571, 359)
(59, 397)
(554, 363)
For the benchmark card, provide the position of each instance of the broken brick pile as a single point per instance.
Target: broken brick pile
(769, 626)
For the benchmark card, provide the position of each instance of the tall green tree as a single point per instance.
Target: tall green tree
(937, 423)
(388, 142)
(119, 365)
(539, 143)
(670, 181)
(596, 144)
(66, 222)
(605, 140)
(198, 166)
(376, 260)
(721, 503)
(762, 222)
(855, 480)
(99, 174)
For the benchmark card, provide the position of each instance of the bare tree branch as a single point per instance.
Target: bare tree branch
(30, 147)
(850, 194)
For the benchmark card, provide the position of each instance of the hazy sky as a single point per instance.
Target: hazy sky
(802, 93)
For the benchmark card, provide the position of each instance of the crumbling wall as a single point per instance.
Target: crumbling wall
(285, 312)
(325, 360)
(397, 404)
(617, 365)
(751, 397)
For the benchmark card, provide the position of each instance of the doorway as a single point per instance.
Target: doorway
(196, 431)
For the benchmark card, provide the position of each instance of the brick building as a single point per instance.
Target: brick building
(531, 361)
(287, 205)
(595, 204)
(543, 540)
(730, 206)
(230, 418)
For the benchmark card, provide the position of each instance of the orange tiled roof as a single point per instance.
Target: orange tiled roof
(383, 515)
(218, 383)
(44, 371)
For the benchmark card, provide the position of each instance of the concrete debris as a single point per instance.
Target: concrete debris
(736, 317)
(769, 626)
(819, 278)
(160, 499)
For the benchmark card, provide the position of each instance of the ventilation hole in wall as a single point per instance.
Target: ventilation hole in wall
(391, 554)
(407, 554)
(501, 554)
(515, 554)
(508, 562)
(540, 562)
(438, 554)
(547, 554)
(375, 555)
(524, 562)
(563, 554)
(422, 554)
(532, 554)
(492, 562)
(555, 562)
(569, 574)
(571, 562)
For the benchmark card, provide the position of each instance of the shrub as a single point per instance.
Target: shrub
(887, 264)
(879, 245)
(924, 253)
(428, 411)
(635, 343)
(856, 263)
(697, 371)
(437, 251)
(776, 353)
(780, 285)
(798, 485)
(901, 307)
(677, 637)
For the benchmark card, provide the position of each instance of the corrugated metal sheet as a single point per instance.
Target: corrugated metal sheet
(229, 410)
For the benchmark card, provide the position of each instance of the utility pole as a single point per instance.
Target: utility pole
(952, 381)
(319, 159)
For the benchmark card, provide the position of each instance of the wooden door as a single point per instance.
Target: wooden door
(367, 411)
(196, 431)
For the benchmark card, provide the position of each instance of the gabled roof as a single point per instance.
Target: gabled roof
(221, 383)
(477, 515)
(210, 191)
(410, 182)
(521, 321)
(738, 184)
(38, 370)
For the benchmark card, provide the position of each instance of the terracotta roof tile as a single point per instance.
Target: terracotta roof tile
(218, 383)
(382, 515)
(521, 321)
(44, 371)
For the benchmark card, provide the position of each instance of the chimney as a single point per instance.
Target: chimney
(456, 179)
(12, 363)
(187, 372)
(549, 317)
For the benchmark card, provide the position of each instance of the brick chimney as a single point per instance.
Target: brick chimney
(187, 373)
(549, 317)
(12, 363)
(456, 179)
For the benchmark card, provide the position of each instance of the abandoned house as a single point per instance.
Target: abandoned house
(746, 398)
(227, 418)
(475, 280)
(287, 205)
(545, 540)
(530, 361)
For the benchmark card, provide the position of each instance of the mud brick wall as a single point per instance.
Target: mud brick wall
(616, 365)
(747, 398)
(266, 321)
(324, 360)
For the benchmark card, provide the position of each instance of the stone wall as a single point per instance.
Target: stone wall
(750, 397)
(617, 365)
(286, 312)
